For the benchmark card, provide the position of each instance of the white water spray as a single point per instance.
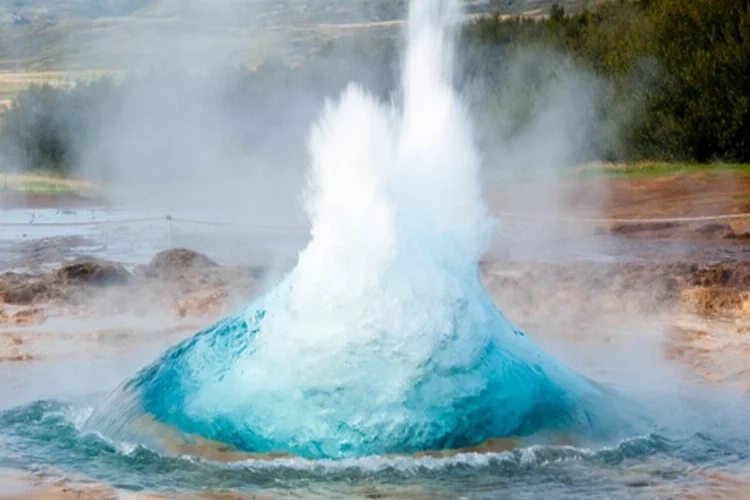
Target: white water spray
(382, 339)
(398, 225)
(394, 189)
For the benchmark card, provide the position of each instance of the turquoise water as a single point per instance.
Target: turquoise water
(382, 343)
(382, 339)
(482, 378)
(47, 435)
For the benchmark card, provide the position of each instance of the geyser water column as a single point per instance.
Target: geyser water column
(382, 339)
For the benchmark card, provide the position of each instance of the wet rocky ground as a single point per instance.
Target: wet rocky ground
(186, 287)
(668, 294)
(695, 314)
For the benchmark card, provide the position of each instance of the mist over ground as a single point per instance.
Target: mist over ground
(209, 105)
(609, 142)
(196, 115)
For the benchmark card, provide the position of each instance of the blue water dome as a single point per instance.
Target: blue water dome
(382, 339)
(482, 378)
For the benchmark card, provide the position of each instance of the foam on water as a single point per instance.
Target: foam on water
(39, 421)
(46, 437)
(382, 339)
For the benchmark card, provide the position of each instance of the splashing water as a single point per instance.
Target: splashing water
(382, 339)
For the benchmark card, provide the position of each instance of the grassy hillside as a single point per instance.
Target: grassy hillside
(57, 42)
(61, 35)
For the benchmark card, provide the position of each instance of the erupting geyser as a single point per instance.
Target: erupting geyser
(382, 339)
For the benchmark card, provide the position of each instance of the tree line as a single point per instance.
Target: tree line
(667, 79)
(675, 74)
(265, 112)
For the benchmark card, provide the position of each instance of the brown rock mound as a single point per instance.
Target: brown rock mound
(579, 291)
(24, 289)
(26, 317)
(726, 274)
(715, 229)
(650, 229)
(717, 301)
(176, 262)
(91, 272)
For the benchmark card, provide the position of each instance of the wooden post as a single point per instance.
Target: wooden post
(169, 220)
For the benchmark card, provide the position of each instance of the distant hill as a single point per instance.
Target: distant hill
(25, 11)
(113, 34)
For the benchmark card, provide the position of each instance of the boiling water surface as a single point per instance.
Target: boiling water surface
(45, 435)
(385, 306)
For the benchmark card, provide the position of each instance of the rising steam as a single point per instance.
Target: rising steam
(382, 339)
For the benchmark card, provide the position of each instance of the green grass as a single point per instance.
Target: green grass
(46, 184)
(657, 169)
(47, 187)
(626, 171)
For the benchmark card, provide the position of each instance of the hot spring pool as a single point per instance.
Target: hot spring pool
(46, 437)
(381, 345)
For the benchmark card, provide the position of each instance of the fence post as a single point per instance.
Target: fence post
(169, 220)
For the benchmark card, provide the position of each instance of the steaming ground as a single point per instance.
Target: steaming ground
(665, 320)
(658, 326)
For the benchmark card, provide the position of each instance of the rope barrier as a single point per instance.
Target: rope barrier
(600, 220)
(229, 224)
(169, 218)
(73, 224)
